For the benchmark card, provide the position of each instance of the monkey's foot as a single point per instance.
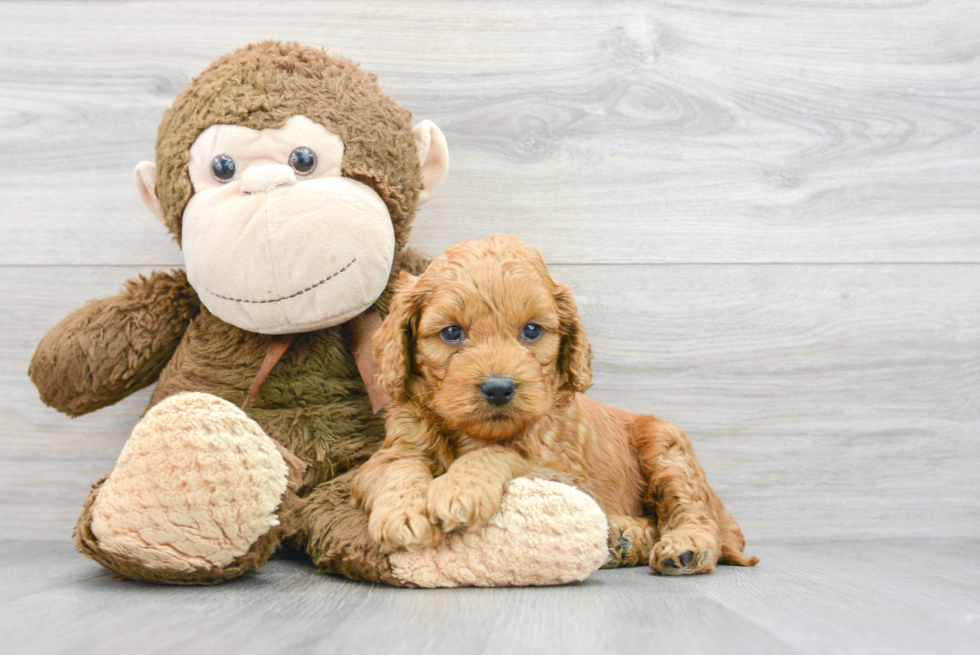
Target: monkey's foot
(686, 550)
(196, 486)
(545, 533)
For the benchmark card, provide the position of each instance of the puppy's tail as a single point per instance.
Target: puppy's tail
(732, 544)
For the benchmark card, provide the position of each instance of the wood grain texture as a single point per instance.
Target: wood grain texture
(836, 598)
(768, 211)
(727, 131)
(825, 402)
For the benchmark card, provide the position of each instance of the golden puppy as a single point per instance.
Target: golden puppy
(486, 360)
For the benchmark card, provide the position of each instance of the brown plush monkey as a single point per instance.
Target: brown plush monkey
(290, 181)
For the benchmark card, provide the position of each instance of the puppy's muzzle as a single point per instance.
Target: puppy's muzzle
(498, 390)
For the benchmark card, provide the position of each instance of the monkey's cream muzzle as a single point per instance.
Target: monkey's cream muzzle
(267, 178)
(274, 251)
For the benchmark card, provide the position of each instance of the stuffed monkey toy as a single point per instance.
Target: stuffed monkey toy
(290, 181)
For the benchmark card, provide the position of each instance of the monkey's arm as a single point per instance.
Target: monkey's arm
(101, 353)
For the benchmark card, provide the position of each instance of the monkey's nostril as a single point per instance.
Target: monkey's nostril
(498, 390)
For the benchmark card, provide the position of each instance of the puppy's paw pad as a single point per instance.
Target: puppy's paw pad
(685, 552)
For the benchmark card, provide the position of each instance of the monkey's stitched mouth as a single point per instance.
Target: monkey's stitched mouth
(292, 295)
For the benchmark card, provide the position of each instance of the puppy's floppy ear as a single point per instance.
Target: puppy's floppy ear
(575, 355)
(394, 342)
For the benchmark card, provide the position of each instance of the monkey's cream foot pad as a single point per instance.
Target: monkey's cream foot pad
(196, 485)
(545, 533)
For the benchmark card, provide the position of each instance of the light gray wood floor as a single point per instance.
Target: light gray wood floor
(857, 597)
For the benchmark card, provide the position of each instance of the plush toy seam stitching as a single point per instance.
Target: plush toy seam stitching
(309, 288)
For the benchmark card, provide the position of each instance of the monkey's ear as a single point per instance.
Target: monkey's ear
(146, 183)
(433, 157)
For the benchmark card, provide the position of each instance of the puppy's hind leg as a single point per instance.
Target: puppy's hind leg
(695, 529)
(631, 539)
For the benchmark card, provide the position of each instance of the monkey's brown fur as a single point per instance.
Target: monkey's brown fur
(314, 403)
(449, 451)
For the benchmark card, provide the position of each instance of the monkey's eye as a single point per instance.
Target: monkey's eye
(223, 168)
(452, 335)
(303, 160)
(532, 332)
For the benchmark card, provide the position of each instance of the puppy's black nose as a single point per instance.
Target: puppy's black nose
(498, 390)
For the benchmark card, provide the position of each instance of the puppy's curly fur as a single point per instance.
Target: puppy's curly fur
(481, 395)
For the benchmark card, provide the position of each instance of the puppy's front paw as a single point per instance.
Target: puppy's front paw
(454, 503)
(685, 551)
(403, 528)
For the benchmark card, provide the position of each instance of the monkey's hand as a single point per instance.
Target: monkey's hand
(112, 347)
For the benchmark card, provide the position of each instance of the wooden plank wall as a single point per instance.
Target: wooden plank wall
(770, 213)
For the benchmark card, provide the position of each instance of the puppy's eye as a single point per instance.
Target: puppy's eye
(532, 332)
(303, 160)
(452, 334)
(223, 168)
